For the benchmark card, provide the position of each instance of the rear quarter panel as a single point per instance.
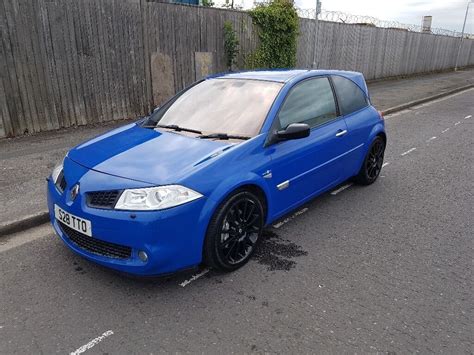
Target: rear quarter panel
(363, 126)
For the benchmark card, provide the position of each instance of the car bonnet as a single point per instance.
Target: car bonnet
(147, 155)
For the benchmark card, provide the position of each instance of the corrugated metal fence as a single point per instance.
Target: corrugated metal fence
(69, 62)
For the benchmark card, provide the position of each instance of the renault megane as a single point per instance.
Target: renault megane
(198, 179)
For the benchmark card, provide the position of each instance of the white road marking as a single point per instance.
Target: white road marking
(444, 131)
(286, 220)
(194, 278)
(385, 164)
(408, 151)
(432, 138)
(469, 116)
(342, 188)
(92, 343)
(458, 122)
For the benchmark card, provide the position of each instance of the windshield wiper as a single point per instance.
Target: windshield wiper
(178, 128)
(223, 136)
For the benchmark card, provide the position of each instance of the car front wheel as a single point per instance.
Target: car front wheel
(234, 231)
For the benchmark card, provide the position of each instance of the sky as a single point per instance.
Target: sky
(447, 14)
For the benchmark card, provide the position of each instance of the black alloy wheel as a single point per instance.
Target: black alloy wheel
(373, 162)
(234, 231)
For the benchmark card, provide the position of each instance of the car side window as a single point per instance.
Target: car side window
(350, 97)
(311, 102)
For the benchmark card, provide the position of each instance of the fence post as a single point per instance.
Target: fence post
(462, 35)
(315, 38)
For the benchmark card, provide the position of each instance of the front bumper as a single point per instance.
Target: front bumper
(172, 238)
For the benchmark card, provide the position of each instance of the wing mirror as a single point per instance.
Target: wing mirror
(293, 131)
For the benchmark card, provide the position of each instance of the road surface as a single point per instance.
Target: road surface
(384, 268)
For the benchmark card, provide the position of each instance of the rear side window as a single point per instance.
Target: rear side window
(350, 97)
(311, 102)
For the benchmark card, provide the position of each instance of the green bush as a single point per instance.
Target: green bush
(231, 44)
(207, 3)
(277, 24)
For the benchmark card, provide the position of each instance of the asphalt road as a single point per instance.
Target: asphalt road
(384, 268)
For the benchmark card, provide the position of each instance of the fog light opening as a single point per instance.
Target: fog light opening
(143, 256)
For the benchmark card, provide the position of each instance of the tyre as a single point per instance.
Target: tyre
(370, 170)
(234, 231)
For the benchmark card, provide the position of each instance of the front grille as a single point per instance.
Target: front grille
(96, 246)
(103, 199)
(61, 182)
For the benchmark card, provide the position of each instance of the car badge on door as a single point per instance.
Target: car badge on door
(74, 192)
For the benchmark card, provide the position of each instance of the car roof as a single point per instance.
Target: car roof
(286, 75)
(281, 75)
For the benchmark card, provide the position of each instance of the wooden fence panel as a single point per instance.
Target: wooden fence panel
(68, 62)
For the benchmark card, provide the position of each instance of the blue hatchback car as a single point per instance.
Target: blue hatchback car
(198, 179)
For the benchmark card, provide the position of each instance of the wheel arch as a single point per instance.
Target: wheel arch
(377, 130)
(383, 135)
(250, 186)
(225, 190)
(227, 187)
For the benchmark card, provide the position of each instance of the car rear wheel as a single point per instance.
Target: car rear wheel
(370, 170)
(234, 231)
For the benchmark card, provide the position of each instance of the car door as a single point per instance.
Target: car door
(360, 118)
(301, 168)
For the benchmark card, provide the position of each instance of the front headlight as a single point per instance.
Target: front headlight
(155, 198)
(56, 172)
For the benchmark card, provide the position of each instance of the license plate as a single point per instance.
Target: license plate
(79, 224)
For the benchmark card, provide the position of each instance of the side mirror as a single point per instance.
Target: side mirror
(293, 131)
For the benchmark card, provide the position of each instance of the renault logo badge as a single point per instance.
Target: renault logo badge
(74, 192)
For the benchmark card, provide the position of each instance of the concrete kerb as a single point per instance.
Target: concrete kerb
(425, 99)
(25, 223)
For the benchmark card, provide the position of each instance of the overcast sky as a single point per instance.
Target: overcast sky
(448, 14)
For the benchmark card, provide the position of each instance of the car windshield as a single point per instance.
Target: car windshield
(229, 106)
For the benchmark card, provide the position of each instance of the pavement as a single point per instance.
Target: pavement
(25, 162)
(391, 93)
(385, 268)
